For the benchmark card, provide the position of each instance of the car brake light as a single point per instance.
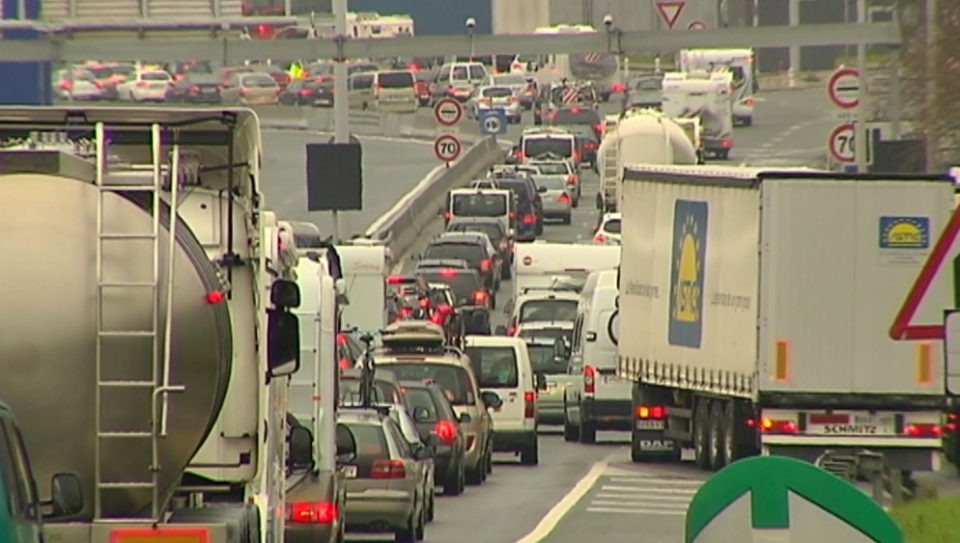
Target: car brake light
(563, 198)
(512, 330)
(600, 238)
(405, 312)
(424, 302)
(344, 363)
(413, 68)
(141, 83)
(480, 297)
(529, 219)
(445, 431)
(749, 101)
(243, 91)
(520, 155)
(388, 469)
(924, 430)
(655, 412)
(436, 318)
(589, 374)
(447, 215)
(572, 180)
(312, 512)
(589, 145)
(575, 110)
(395, 280)
(770, 426)
(529, 405)
(575, 156)
(512, 99)
(67, 85)
(99, 84)
(448, 272)
(485, 265)
(305, 92)
(341, 339)
(598, 127)
(194, 89)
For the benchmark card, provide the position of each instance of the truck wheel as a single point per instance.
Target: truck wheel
(588, 432)
(731, 439)
(716, 438)
(701, 430)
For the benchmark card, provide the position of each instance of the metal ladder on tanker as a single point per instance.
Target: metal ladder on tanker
(158, 386)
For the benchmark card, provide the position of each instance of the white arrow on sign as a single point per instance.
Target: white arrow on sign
(843, 88)
(842, 143)
(447, 147)
(492, 124)
(448, 112)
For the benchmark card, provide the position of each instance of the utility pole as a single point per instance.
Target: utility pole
(860, 132)
(341, 104)
(933, 135)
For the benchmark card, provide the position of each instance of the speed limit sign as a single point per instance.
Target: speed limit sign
(842, 143)
(447, 147)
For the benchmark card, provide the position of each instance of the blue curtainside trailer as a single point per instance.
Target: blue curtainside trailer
(24, 83)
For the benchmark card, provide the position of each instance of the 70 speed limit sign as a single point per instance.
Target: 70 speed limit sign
(842, 143)
(447, 148)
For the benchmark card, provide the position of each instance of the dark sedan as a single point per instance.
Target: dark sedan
(195, 89)
(438, 426)
(318, 92)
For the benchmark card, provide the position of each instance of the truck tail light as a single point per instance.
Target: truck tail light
(650, 412)
(923, 430)
(312, 512)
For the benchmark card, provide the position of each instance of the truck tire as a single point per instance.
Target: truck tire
(716, 438)
(701, 430)
(731, 439)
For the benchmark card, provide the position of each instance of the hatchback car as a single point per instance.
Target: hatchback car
(315, 499)
(518, 83)
(576, 115)
(457, 80)
(542, 352)
(145, 87)
(473, 300)
(473, 247)
(609, 229)
(502, 98)
(78, 85)
(195, 89)
(384, 478)
(250, 89)
(411, 433)
(439, 424)
(560, 167)
(557, 203)
(493, 228)
(317, 91)
(542, 306)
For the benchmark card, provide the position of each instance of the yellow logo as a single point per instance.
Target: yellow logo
(686, 307)
(904, 232)
(687, 273)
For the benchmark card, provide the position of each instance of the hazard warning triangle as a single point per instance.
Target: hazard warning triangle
(670, 12)
(903, 328)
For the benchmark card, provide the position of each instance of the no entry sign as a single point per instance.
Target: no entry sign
(843, 88)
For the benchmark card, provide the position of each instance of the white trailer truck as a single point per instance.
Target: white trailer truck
(705, 96)
(758, 311)
(148, 365)
(642, 136)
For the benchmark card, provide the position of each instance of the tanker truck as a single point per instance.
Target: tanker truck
(148, 369)
(642, 136)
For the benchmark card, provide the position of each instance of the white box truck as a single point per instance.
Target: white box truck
(763, 313)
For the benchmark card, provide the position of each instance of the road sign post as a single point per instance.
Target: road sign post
(447, 148)
(493, 122)
(775, 498)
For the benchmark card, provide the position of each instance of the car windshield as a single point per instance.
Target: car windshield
(463, 283)
(535, 147)
(546, 333)
(492, 230)
(542, 360)
(497, 92)
(383, 392)
(552, 168)
(510, 80)
(548, 310)
(651, 84)
(479, 205)
(495, 367)
(453, 380)
(471, 252)
(612, 226)
(395, 80)
(551, 182)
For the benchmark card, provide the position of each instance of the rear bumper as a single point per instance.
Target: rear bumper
(904, 454)
(511, 441)
(614, 414)
(379, 511)
(309, 533)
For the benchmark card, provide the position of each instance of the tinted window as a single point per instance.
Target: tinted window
(535, 147)
(612, 226)
(479, 205)
(363, 82)
(492, 230)
(551, 182)
(555, 168)
(548, 310)
(421, 397)
(383, 392)
(395, 80)
(371, 443)
(463, 283)
(577, 116)
(155, 76)
(510, 80)
(582, 131)
(495, 367)
(520, 188)
(541, 358)
(453, 380)
(455, 251)
(497, 92)
(259, 81)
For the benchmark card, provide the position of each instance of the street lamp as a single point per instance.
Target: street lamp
(471, 24)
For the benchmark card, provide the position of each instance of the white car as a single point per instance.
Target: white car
(496, 98)
(559, 167)
(541, 306)
(77, 85)
(609, 229)
(146, 86)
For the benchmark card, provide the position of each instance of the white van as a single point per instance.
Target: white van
(365, 269)
(395, 92)
(481, 203)
(502, 366)
(543, 265)
(597, 399)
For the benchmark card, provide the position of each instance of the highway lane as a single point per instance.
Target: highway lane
(391, 168)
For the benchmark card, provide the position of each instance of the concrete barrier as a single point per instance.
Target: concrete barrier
(402, 226)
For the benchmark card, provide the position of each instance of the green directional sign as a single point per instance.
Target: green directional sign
(762, 495)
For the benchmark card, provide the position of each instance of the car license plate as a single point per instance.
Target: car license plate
(649, 424)
(323, 102)
(350, 472)
(611, 379)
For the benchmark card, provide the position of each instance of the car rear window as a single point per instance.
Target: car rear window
(453, 380)
(463, 283)
(546, 333)
(551, 182)
(477, 73)
(479, 205)
(510, 80)
(258, 80)
(495, 367)
(493, 231)
(497, 92)
(577, 116)
(155, 76)
(555, 168)
(541, 358)
(396, 80)
(371, 441)
(454, 251)
(548, 310)
(541, 146)
(612, 226)
(383, 392)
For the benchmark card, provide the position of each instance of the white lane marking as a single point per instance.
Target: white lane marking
(622, 510)
(628, 499)
(654, 480)
(646, 489)
(567, 503)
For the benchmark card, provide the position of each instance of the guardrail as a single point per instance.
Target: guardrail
(402, 226)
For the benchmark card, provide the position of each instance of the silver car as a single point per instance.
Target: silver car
(496, 98)
(557, 203)
(77, 84)
(518, 83)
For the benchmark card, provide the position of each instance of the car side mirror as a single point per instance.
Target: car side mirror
(301, 448)
(285, 294)
(491, 400)
(283, 342)
(421, 414)
(465, 418)
(501, 330)
(66, 495)
(346, 444)
(541, 189)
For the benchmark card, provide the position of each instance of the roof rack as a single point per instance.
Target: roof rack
(413, 337)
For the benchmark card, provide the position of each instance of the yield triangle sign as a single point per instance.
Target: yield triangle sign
(670, 12)
(903, 328)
